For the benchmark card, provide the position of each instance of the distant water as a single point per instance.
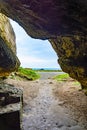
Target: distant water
(46, 68)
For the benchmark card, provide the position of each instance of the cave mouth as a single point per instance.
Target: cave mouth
(70, 21)
(34, 53)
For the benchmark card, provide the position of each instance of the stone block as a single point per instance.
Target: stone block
(10, 107)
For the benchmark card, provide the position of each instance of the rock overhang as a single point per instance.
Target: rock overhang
(49, 18)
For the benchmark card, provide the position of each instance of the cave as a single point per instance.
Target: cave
(63, 23)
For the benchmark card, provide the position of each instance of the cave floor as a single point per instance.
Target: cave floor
(52, 105)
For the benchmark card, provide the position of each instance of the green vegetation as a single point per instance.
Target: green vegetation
(61, 77)
(64, 77)
(24, 73)
(77, 83)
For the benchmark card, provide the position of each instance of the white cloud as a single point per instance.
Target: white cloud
(34, 53)
(34, 62)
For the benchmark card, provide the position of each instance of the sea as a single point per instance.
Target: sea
(46, 68)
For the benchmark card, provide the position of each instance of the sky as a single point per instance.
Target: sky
(33, 53)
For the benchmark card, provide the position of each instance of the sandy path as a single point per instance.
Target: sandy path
(46, 113)
(48, 75)
(49, 105)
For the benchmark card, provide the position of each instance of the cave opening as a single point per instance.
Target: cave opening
(65, 23)
(34, 53)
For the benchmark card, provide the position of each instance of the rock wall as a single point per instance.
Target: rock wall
(72, 53)
(8, 59)
(64, 22)
(10, 97)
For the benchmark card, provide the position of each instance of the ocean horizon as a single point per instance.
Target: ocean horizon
(46, 68)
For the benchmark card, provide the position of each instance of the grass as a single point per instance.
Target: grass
(24, 73)
(64, 77)
(77, 83)
(61, 77)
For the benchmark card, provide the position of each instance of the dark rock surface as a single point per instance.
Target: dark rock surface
(48, 18)
(10, 107)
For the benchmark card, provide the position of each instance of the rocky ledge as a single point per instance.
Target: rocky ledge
(10, 107)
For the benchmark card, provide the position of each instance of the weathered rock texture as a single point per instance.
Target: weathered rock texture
(8, 60)
(62, 21)
(72, 52)
(48, 18)
(10, 107)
